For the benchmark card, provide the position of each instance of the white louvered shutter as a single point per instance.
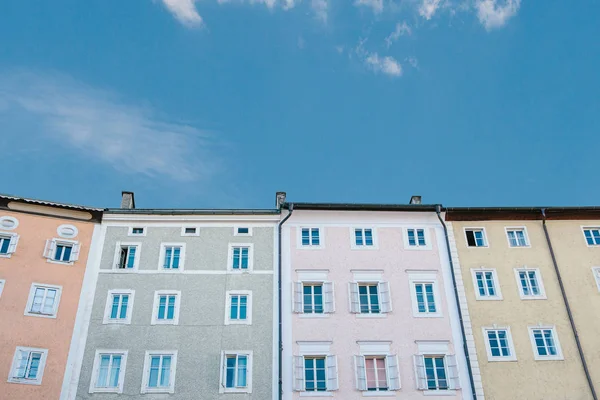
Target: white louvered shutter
(297, 297)
(384, 297)
(50, 248)
(223, 369)
(328, 297)
(298, 373)
(354, 299)
(452, 365)
(420, 372)
(332, 373)
(12, 246)
(360, 372)
(392, 372)
(75, 252)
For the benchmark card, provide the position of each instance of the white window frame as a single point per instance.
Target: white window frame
(146, 375)
(377, 349)
(511, 346)
(384, 309)
(478, 296)
(407, 245)
(363, 246)
(540, 281)
(536, 356)
(161, 257)
(15, 362)
(228, 320)
(327, 294)
(130, 231)
(486, 244)
(525, 235)
(315, 349)
(321, 244)
(236, 233)
(96, 369)
(108, 307)
(2, 283)
(50, 250)
(32, 289)
(230, 268)
(595, 273)
(222, 380)
(583, 229)
(425, 278)
(9, 223)
(136, 262)
(437, 349)
(175, 320)
(196, 233)
(13, 242)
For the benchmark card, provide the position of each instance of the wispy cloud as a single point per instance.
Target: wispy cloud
(320, 8)
(494, 13)
(185, 11)
(401, 29)
(376, 5)
(387, 65)
(99, 125)
(428, 8)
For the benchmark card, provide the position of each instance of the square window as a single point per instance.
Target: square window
(475, 237)
(236, 372)
(61, 251)
(166, 307)
(109, 371)
(545, 343)
(517, 237)
(240, 257)
(172, 257)
(137, 231)
(416, 239)
(8, 244)
(485, 282)
(499, 345)
(238, 309)
(119, 306)
(43, 300)
(363, 237)
(530, 283)
(592, 236)
(310, 237)
(28, 366)
(159, 372)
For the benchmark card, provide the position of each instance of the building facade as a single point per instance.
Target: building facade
(368, 305)
(182, 308)
(44, 251)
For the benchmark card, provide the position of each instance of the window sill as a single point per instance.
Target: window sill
(229, 322)
(365, 315)
(519, 247)
(549, 358)
(228, 390)
(24, 381)
(170, 270)
(158, 390)
(59, 262)
(418, 248)
(319, 247)
(316, 394)
(313, 315)
(30, 314)
(439, 392)
(426, 315)
(116, 322)
(164, 323)
(540, 297)
(242, 272)
(5, 255)
(364, 248)
(387, 393)
(121, 270)
(106, 390)
(490, 298)
(502, 359)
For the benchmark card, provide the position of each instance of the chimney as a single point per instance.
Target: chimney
(415, 200)
(127, 200)
(280, 199)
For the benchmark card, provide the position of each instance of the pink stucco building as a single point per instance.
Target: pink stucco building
(368, 307)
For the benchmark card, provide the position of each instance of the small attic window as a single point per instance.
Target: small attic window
(8, 223)
(189, 231)
(67, 231)
(137, 231)
(243, 231)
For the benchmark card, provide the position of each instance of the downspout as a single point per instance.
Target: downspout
(279, 269)
(568, 307)
(460, 315)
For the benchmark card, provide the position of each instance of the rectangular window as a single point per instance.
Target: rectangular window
(159, 372)
(312, 298)
(425, 298)
(166, 307)
(369, 299)
(315, 374)
(435, 371)
(311, 237)
(4, 244)
(240, 258)
(28, 365)
(242, 231)
(109, 371)
(517, 237)
(119, 306)
(499, 344)
(236, 375)
(475, 238)
(592, 236)
(127, 257)
(189, 231)
(530, 284)
(486, 284)
(137, 231)
(61, 251)
(8, 244)
(43, 300)
(545, 343)
(363, 237)
(238, 309)
(416, 237)
(172, 257)
(376, 374)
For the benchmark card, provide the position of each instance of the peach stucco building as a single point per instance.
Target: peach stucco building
(43, 253)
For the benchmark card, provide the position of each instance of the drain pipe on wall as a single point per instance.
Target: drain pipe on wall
(460, 315)
(568, 307)
(279, 269)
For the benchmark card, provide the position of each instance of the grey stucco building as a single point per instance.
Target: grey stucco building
(180, 305)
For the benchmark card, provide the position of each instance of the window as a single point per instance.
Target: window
(2, 282)
(240, 257)
(8, 244)
(159, 372)
(119, 306)
(517, 237)
(498, 342)
(315, 376)
(545, 343)
(315, 373)
(486, 284)
(238, 309)
(363, 238)
(236, 372)
(242, 231)
(424, 294)
(127, 257)
(314, 298)
(28, 366)
(415, 238)
(43, 300)
(61, 251)
(109, 371)
(172, 256)
(530, 283)
(436, 372)
(377, 373)
(137, 231)
(310, 237)
(476, 237)
(425, 298)
(166, 307)
(592, 236)
(190, 231)
(370, 298)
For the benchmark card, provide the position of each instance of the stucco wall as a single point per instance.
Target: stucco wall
(23, 268)
(525, 378)
(201, 334)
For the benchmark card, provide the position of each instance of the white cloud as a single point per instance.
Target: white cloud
(428, 8)
(401, 29)
(494, 13)
(413, 62)
(184, 11)
(320, 9)
(387, 65)
(376, 5)
(99, 125)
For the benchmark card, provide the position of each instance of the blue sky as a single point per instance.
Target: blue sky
(221, 103)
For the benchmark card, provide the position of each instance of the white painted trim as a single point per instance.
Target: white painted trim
(230, 248)
(374, 235)
(433, 347)
(583, 228)
(14, 220)
(426, 235)
(65, 227)
(287, 314)
(316, 275)
(248, 388)
(540, 282)
(161, 257)
(314, 348)
(41, 366)
(10, 236)
(2, 283)
(536, 356)
(321, 244)
(108, 307)
(595, 273)
(130, 231)
(237, 227)
(525, 234)
(486, 243)
(146, 374)
(64, 242)
(195, 233)
(143, 220)
(275, 310)
(117, 257)
(122, 368)
(511, 346)
(425, 278)
(478, 296)
(228, 320)
(32, 289)
(374, 347)
(186, 272)
(157, 294)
